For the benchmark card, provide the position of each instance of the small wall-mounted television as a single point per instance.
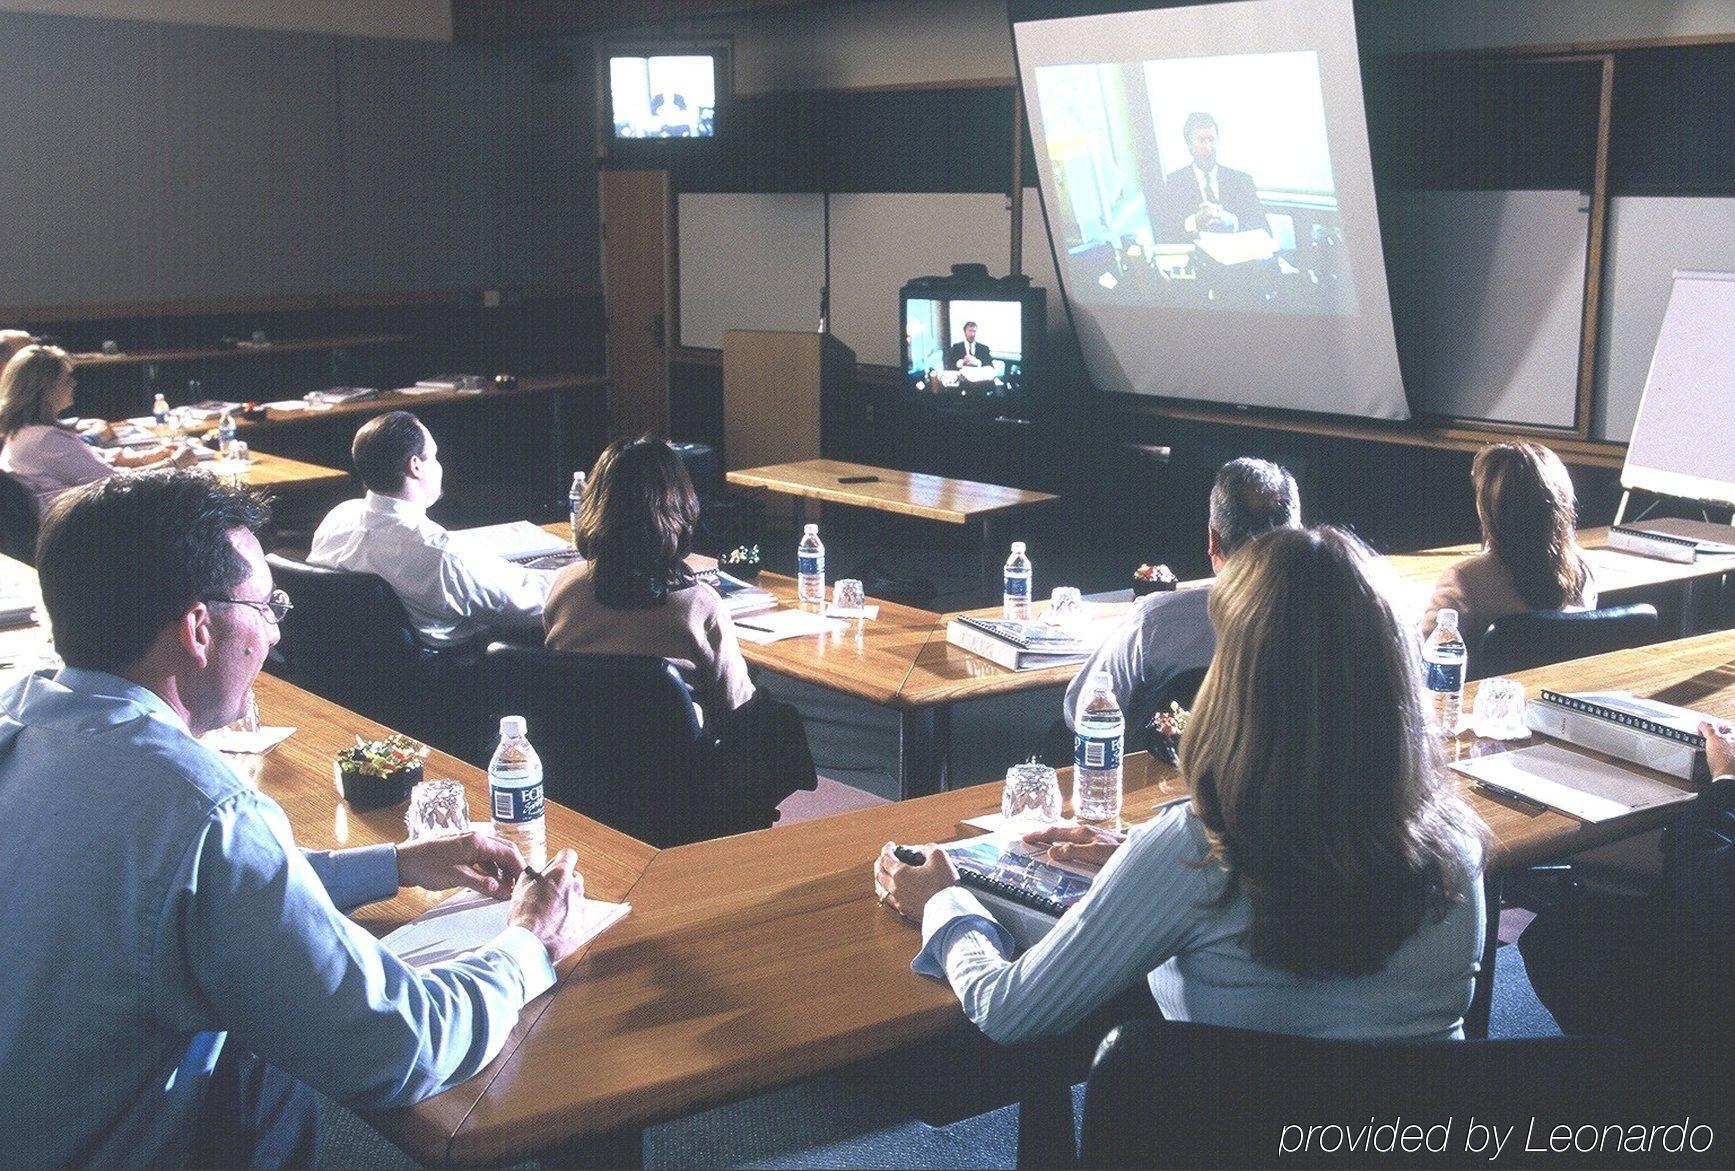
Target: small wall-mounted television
(664, 95)
(968, 336)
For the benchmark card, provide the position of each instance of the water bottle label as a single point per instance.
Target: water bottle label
(1446, 676)
(1017, 587)
(1096, 751)
(516, 805)
(810, 563)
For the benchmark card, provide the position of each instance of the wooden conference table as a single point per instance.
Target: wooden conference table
(756, 960)
(280, 472)
(940, 498)
(900, 661)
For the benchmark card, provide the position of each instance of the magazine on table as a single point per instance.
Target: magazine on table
(1025, 892)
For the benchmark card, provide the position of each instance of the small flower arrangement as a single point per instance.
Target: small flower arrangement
(383, 757)
(1163, 733)
(742, 561)
(378, 773)
(1150, 579)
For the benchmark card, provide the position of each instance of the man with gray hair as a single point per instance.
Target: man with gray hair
(1166, 635)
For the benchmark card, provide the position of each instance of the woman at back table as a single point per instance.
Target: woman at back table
(35, 388)
(1530, 557)
(1323, 880)
(633, 593)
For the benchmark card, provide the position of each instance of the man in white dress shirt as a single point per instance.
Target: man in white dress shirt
(452, 592)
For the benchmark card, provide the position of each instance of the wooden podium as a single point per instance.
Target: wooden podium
(786, 396)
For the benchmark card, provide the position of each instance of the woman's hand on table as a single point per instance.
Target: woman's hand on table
(906, 889)
(1075, 845)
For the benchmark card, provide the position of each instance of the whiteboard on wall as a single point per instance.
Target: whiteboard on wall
(1649, 238)
(879, 242)
(1682, 444)
(1488, 300)
(748, 261)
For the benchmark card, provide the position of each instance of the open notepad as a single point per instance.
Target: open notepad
(780, 624)
(1582, 786)
(468, 920)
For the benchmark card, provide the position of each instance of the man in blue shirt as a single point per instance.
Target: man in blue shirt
(155, 904)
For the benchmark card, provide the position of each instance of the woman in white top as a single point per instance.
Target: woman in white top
(1324, 878)
(35, 388)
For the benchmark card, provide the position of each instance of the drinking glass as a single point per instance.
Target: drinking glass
(1065, 607)
(1032, 794)
(848, 594)
(437, 808)
(1499, 710)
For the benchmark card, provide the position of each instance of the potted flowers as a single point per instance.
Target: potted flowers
(1163, 733)
(378, 773)
(742, 562)
(1150, 579)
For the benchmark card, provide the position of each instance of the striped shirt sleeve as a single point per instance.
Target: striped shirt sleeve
(1139, 914)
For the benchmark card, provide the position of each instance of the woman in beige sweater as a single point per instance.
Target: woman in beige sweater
(1530, 558)
(633, 593)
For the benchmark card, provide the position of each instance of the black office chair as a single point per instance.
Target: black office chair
(620, 741)
(17, 520)
(350, 640)
(1519, 642)
(1055, 749)
(1171, 1094)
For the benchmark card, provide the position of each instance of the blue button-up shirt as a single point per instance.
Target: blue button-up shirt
(150, 901)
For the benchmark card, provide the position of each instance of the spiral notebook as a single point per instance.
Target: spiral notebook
(1025, 892)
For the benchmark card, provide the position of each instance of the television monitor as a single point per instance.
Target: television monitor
(667, 92)
(969, 343)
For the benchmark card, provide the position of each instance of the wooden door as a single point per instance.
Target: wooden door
(636, 237)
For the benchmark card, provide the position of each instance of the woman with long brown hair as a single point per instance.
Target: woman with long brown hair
(36, 387)
(1530, 558)
(633, 594)
(1323, 879)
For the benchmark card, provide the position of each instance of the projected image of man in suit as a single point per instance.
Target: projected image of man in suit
(968, 352)
(1205, 196)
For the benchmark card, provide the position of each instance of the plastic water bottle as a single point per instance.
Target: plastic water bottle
(1099, 736)
(574, 499)
(226, 432)
(1446, 660)
(160, 410)
(810, 567)
(515, 789)
(1015, 594)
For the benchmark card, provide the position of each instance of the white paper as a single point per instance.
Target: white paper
(246, 743)
(776, 625)
(1582, 786)
(1238, 247)
(469, 920)
(292, 404)
(517, 538)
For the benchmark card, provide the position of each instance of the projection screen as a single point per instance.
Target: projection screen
(1209, 197)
